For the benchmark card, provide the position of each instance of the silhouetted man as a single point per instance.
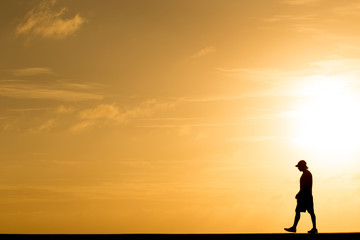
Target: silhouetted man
(304, 198)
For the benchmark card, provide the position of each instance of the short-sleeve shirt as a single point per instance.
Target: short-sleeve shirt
(305, 198)
(306, 183)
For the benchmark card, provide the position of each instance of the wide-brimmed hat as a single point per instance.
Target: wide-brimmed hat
(301, 163)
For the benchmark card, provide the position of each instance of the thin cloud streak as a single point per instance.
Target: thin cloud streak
(27, 109)
(204, 52)
(31, 71)
(301, 2)
(59, 91)
(212, 99)
(253, 139)
(291, 18)
(188, 125)
(319, 25)
(349, 9)
(291, 83)
(285, 83)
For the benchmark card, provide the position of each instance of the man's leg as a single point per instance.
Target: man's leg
(297, 218)
(313, 218)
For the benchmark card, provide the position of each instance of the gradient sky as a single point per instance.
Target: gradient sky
(177, 116)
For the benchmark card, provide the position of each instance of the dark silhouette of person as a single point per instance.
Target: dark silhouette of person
(304, 198)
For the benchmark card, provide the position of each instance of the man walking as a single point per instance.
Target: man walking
(304, 198)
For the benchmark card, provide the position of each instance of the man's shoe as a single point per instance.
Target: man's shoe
(313, 231)
(292, 229)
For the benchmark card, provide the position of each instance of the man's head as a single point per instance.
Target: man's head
(301, 165)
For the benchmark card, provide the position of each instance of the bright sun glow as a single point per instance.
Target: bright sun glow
(330, 121)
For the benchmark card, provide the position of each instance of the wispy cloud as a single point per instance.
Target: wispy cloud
(44, 127)
(64, 109)
(31, 71)
(102, 111)
(319, 24)
(301, 2)
(293, 83)
(105, 114)
(60, 91)
(28, 109)
(334, 65)
(77, 117)
(203, 52)
(211, 98)
(338, 66)
(351, 8)
(45, 22)
(289, 18)
(253, 139)
(193, 125)
(268, 75)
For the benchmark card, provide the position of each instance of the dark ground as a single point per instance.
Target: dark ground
(290, 236)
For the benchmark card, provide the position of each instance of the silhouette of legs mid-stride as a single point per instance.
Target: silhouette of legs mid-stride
(296, 220)
(304, 198)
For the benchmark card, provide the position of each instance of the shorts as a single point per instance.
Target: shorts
(305, 204)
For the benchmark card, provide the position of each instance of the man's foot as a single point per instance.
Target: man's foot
(313, 231)
(292, 229)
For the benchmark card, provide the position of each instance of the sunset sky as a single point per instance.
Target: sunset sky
(178, 116)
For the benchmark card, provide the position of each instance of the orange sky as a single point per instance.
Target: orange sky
(181, 116)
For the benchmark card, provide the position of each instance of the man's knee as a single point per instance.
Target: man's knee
(311, 212)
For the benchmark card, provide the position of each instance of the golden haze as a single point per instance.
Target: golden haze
(177, 116)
